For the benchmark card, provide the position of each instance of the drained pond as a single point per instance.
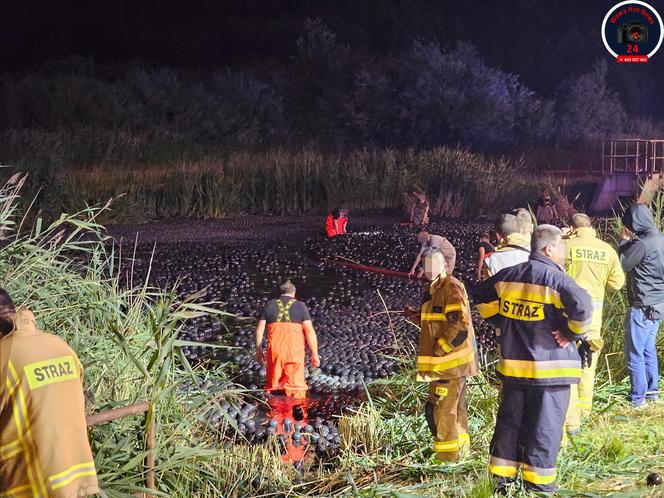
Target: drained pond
(362, 333)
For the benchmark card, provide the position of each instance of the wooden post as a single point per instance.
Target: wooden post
(150, 446)
(150, 437)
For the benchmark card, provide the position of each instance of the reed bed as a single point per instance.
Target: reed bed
(459, 183)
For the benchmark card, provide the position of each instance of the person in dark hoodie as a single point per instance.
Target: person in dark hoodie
(642, 258)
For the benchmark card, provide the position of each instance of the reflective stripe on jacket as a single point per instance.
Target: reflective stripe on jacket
(44, 448)
(527, 302)
(592, 263)
(447, 338)
(514, 251)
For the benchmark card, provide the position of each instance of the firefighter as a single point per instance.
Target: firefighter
(513, 248)
(446, 357)
(44, 448)
(525, 221)
(594, 265)
(542, 314)
(336, 222)
(288, 328)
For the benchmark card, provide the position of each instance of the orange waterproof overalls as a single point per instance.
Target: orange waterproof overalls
(285, 353)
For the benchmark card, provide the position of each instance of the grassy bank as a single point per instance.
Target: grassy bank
(459, 183)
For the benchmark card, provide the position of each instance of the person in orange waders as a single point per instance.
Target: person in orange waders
(44, 448)
(288, 327)
(336, 222)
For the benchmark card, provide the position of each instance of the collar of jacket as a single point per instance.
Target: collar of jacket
(516, 239)
(543, 259)
(585, 232)
(24, 323)
(438, 282)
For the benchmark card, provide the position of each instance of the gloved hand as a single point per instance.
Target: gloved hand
(585, 352)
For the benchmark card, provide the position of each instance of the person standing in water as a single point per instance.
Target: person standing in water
(289, 327)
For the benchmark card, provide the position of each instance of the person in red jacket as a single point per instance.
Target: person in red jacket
(336, 222)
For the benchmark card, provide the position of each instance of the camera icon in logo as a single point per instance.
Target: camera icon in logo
(633, 32)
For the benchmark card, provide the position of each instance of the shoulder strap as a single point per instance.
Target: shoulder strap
(284, 315)
(514, 246)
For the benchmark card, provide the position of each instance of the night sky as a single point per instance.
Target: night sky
(535, 39)
(548, 45)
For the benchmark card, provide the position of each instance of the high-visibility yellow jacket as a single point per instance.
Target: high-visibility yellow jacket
(592, 263)
(447, 339)
(44, 448)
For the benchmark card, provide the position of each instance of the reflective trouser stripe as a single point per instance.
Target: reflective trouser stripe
(452, 446)
(433, 317)
(447, 417)
(537, 475)
(502, 467)
(446, 446)
(508, 468)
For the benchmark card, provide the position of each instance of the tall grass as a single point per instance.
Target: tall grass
(459, 183)
(127, 340)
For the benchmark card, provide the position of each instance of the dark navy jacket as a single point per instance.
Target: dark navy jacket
(643, 261)
(527, 302)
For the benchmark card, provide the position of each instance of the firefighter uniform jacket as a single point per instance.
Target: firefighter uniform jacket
(593, 263)
(515, 250)
(44, 448)
(447, 340)
(527, 302)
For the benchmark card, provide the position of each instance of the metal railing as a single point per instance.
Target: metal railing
(632, 155)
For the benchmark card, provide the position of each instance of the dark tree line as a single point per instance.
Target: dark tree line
(491, 75)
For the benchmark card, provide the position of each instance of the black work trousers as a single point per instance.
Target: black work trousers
(529, 431)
